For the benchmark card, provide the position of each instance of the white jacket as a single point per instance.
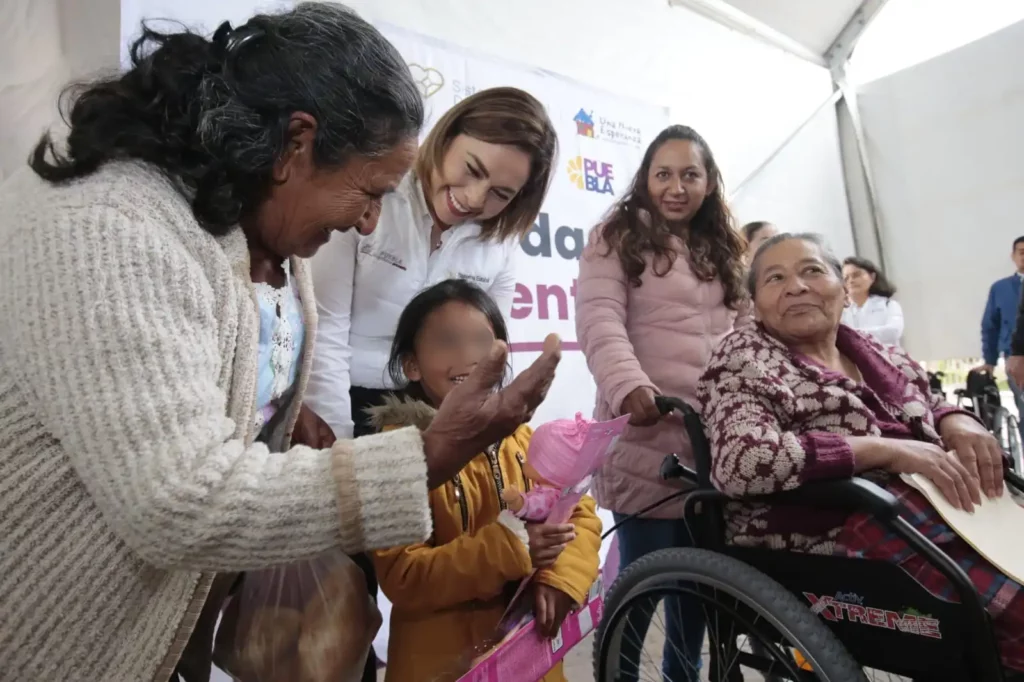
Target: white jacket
(880, 317)
(362, 285)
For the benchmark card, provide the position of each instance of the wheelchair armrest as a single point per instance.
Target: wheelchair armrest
(851, 495)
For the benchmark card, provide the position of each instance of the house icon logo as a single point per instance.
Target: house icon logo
(584, 124)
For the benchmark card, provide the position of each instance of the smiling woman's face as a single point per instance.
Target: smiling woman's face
(678, 180)
(477, 180)
(307, 202)
(799, 297)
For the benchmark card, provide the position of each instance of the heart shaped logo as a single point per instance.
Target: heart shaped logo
(429, 80)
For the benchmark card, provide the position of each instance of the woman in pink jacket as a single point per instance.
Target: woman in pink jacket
(660, 284)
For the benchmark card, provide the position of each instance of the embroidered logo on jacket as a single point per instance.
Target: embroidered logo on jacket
(381, 255)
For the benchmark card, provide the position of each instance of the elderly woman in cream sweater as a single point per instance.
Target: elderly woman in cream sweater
(156, 339)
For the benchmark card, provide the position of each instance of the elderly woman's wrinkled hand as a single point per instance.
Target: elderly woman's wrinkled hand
(977, 450)
(473, 416)
(940, 467)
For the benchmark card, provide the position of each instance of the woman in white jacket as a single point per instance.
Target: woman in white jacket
(872, 309)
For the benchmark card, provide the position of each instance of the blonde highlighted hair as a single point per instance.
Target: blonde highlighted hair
(505, 116)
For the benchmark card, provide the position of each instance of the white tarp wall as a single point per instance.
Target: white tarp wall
(43, 45)
(945, 151)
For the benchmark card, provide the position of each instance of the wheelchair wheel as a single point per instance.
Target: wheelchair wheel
(1005, 429)
(756, 629)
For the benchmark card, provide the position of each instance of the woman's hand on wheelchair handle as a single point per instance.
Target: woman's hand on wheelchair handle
(977, 450)
(640, 407)
(938, 466)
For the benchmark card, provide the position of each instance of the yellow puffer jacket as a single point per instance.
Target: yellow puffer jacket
(449, 593)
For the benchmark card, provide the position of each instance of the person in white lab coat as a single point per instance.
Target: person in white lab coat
(478, 184)
(871, 308)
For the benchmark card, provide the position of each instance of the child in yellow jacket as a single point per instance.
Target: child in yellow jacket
(449, 593)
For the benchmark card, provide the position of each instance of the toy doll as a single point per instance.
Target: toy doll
(551, 465)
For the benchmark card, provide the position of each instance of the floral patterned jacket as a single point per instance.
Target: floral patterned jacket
(776, 420)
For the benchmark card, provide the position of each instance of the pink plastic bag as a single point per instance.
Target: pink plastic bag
(306, 622)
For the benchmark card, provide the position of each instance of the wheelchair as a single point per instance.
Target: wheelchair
(784, 615)
(981, 396)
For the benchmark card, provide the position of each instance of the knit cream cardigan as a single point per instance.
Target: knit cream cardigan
(128, 468)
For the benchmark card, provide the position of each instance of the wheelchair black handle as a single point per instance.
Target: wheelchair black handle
(667, 405)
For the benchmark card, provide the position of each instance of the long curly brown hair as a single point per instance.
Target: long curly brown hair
(633, 227)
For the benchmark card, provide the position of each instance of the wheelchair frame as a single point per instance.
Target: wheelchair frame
(962, 646)
(988, 408)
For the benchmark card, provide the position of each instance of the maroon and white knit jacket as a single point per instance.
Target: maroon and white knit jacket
(776, 420)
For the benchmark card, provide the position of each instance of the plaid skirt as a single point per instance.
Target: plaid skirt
(862, 537)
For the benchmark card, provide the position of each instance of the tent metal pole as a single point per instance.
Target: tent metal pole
(724, 13)
(841, 49)
(838, 57)
(850, 102)
(836, 95)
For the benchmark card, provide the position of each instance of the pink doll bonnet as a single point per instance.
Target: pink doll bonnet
(555, 447)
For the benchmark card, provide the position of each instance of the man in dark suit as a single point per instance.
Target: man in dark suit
(1002, 327)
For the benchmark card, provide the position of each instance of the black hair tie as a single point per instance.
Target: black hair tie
(228, 41)
(220, 36)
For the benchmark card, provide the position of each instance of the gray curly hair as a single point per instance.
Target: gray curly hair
(810, 238)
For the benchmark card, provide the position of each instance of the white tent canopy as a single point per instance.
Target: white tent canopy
(763, 80)
(808, 29)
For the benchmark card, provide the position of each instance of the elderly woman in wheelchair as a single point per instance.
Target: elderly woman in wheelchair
(812, 424)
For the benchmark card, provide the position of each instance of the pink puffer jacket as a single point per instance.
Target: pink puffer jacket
(661, 335)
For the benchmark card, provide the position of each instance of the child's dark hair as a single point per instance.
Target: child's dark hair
(420, 307)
